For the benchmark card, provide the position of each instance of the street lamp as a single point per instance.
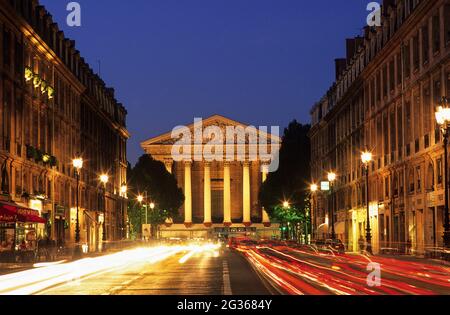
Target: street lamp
(332, 178)
(443, 120)
(366, 158)
(123, 191)
(77, 164)
(314, 188)
(104, 178)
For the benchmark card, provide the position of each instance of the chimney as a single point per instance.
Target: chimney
(340, 64)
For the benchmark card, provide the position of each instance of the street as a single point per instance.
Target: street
(211, 269)
(173, 272)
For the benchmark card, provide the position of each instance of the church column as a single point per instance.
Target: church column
(226, 194)
(246, 194)
(187, 194)
(207, 194)
(265, 216)
(168, 163)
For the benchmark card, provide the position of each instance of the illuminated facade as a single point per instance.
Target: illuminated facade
(53, 108)
(221, 197)
(384, 101)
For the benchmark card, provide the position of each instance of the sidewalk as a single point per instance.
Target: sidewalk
(8, 268)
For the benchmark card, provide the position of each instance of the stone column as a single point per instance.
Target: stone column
(207, 194)
(187, 194)
(265, 216)
(246, 194)
(168, 163)
(226, 194)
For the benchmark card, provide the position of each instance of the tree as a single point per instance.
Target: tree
(151, 176)
(290, 182)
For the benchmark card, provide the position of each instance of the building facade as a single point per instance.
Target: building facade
(54, 108)
(384, 100)
(221, 197)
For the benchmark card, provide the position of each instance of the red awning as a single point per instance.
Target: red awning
(22, 214)
(7, 216)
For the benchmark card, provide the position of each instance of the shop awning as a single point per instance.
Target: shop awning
(22, 214)
(7, 216)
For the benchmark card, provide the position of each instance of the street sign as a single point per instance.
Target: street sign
(325, 186)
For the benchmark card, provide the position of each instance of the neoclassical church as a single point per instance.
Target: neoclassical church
(221, 194)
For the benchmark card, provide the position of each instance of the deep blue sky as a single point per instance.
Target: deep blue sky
(263, 62)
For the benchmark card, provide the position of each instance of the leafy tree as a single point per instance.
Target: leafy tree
(290, 181)
(151, 176)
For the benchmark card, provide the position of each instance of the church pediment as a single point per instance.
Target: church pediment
(213, 121)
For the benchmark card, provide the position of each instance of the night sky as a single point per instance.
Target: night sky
(262, 62)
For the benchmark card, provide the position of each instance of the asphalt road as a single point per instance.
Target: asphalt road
(202, 274)
(209, 269)
(302, 271)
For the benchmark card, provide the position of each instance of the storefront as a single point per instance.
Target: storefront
(19, 228)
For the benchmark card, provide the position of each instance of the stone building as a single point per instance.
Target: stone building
(384, 100)
(53, 108)
(221, 197)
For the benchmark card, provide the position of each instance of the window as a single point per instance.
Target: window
(436, 34)
(6, 48)
(391, 75)
(425, 44)
(430, 177)
(378, 88)
(447, 23)
(407, 59)
(386, 187)
(419, 179)
(399, 131)
(416, 58)
(411, 181)
(439, 171)
(437, 91)
(408, 121)
(399, 69)
(385, 81)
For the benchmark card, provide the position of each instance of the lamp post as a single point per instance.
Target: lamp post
(152, 207)
(104, 178)
(314, 188)
(284, 229)
(366, 158)
(77, 165)
(443, 120)
(331, 178)
(140, 199)
(123, 191)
